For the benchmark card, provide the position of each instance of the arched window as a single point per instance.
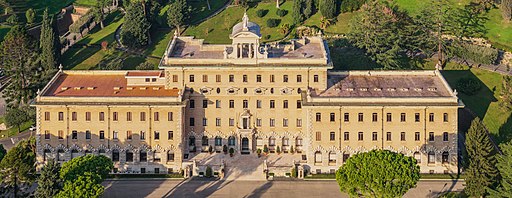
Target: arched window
(170, 156)
(318, 157)
(61, 155)
(332, 157)
(129, 156)
(286, 141)
(156, 156)
(115, 155)
(204, 141)
(143, 156)
(272, 141)
(298, 141)
(74, 153)
(431, 157)
(231, 141)
(47, 154)
(87, 152)
(218, 141)
(445, 157)
(102, 152)
(192, 141)
(417, 156)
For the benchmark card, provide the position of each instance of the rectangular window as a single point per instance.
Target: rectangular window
(374, 117)
(231, 78)
(258, 104)
(61, 116)
(285, 122)
(258, 78)
(445, 136)
(61, 134)
(217, 121)
(129, 135)
(128, 116)
(318, 136)
(114, 116)
(101, 116)
(156, 116)
(191, 78)
(231, 122)
(272, 78)
(315, 78)
(170, 135)
(431, 136)
(217, 103)
(142, 116)
(74, 116)
(332, 117)
(272, 122)
(157, 135)
(174, 78)
(360, 117)
(402, 117)
(47, 116)
(87, 134)
(417, 117)
(374, 136)
(244, 78)
(218, 78)
(231, 104)
(417, 136)
(318, 117)
(87, 116)
(388, 117)
(74, 135)
(258, 122)
(205, 78)
(431, 158)
(332, 136)
(431, 117)
(192, 104)
(285, 78)
(272, 104)
(360, 136)
(205, 121)
(205, 104)
(114, 135)
(299, 104)
(170, 116)
(402, 136)
(142, 135)
(388, 136)
(285, 104)
(346, 117)
(445, 117)
(46, 135)
(102, 135)
(245, 104)
(299, 78)
(346, 136)
(147, 79)
(299, 122)
(192, 122)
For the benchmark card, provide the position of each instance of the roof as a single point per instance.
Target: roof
(251, 27)
(389, 85)
(145, 74)
(102, 85)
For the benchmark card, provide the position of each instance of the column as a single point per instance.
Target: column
(250, 51)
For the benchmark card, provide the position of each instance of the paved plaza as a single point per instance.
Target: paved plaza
(250, 189)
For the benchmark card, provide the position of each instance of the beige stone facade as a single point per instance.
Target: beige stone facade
(247, 96)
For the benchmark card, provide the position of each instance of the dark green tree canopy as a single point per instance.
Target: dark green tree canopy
(48, 183)
(86, 185)
(17, 167)
(504, 166)
(135, 30)
(2, 152)
(47, 42)
(328, 8)
(297, 15)
(378, 173)
(74, 168)
(177, 14)
(16, 117)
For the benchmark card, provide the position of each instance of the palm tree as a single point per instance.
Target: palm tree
(325, 22)
(284, 28)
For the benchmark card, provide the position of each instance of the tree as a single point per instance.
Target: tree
(506, 93)
(378, 173)
(309, 8)
(48, 183)
(135, 30)
(297, 12)
(328, 8)
(83, 186)
(12, 20)
(98, 11)
(145, 66)
(16, 117)
(506, 9)
(100, 165)
(18, 57)
(284, 28)
(325, 22)
(177, 14)
(480, 160)
(17, 167)
(2, 152)
(47, 42)
(30, 14)
(384, 32)
(504, 166)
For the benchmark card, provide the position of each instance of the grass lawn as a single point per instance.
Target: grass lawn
(341, 26)
(54, 6)
(86, 3)
(97, 35)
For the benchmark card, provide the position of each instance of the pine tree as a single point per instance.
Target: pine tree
(328, 8)
(135, 30)
(481, 172)
(48, 183)
(17, 167)
(504, 166)
(47, 45)
(297, 12)
(177, 14)
(309, 8)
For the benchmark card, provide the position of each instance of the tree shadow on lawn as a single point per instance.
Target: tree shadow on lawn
(75, 56)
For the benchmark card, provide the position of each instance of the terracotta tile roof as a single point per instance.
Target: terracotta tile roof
(109, 85)
(145, 73)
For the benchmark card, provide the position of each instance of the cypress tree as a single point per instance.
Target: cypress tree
(504, 165)
(481, 171)
(47, 45)
(309, 8)
(48, 183)
(328, 8)
(297, 12)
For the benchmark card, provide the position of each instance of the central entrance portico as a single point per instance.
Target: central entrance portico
(246, 133)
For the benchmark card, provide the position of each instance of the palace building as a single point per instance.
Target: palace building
(247, 96)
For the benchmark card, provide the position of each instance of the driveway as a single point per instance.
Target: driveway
(11, 141)
(235, 188)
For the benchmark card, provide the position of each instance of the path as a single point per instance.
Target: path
(9, 142)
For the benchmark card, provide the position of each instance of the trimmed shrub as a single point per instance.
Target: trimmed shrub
(209, 172)
(273, 22)
(261, 13)
(281, 13)
(468, 86)
(265, 148)
(294, 172)
(475, 53)
(351, 5)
